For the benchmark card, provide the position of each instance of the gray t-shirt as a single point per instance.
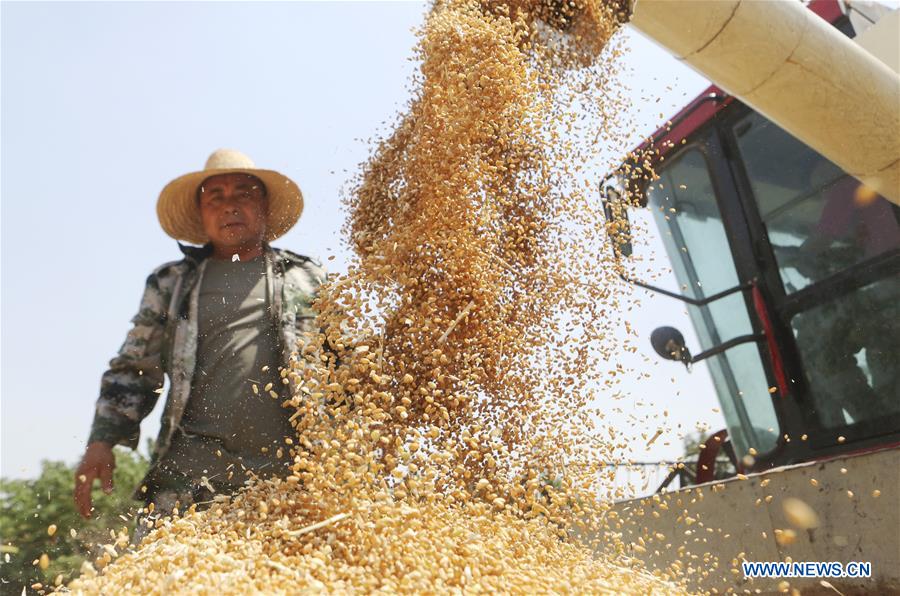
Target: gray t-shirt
(226, 424)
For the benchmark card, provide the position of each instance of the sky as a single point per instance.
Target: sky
(103, 103)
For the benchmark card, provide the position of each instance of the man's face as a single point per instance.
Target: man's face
(233, 209)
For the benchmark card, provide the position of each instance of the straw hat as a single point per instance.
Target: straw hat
(179, 214)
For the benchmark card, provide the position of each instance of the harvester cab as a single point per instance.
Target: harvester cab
(790, 271)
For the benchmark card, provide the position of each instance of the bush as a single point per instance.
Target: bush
(28, 507)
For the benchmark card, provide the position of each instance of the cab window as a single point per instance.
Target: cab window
(683, 202)
(822, 222)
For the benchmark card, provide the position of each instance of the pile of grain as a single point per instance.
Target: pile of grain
(445, 433)
(258, 543)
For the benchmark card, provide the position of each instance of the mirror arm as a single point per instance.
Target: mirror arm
(741, 339)
(691, 301)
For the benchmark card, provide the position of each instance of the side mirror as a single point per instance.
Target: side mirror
(618, 225)
(669, 343)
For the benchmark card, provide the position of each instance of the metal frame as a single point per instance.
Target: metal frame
(682, 297)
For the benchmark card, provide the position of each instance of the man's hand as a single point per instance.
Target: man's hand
(98, 462)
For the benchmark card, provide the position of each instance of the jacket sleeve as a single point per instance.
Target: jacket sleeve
(131, 386)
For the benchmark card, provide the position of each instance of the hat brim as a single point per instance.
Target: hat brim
(179, 214)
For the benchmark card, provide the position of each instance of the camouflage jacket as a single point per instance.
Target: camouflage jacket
(163, 341)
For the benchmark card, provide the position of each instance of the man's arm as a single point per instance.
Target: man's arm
(128, 392)
(130, 388)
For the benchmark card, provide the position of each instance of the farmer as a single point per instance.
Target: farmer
(221, 323)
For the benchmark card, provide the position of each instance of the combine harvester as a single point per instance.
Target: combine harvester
(774, 200)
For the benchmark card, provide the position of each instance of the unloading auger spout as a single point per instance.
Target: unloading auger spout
(792, 66)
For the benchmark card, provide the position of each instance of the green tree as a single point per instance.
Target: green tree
(29, 507)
